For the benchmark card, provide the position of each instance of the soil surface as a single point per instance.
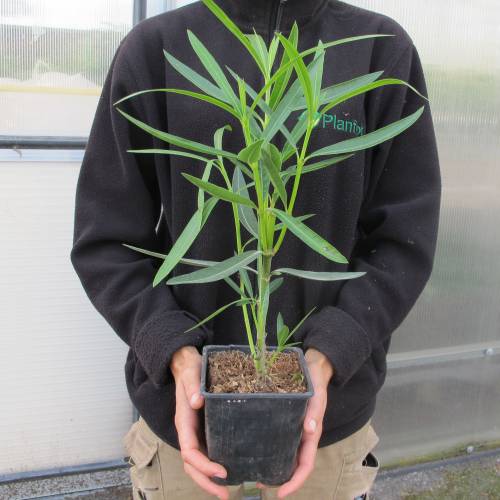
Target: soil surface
(234, 371)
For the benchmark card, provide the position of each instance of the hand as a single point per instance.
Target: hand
(321, 371)
(186, 369)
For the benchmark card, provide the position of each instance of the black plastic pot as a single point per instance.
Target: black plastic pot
(255, 436)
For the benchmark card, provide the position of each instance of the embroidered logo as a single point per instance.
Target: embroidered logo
(343, 124)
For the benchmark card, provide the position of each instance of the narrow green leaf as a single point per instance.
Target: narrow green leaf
(301, 70)
(316, 75)
(300, 218)
(239, 302)
(310, 237)
(219, 192)
(333, 92)
(298, 325)
(366, 88)
(318, 275)
(218, 271)
(246, 214)
(231, 26)
(291, 171)
(279, 322)
(275, 284)
(282, 335)
(196, 95)
(273, 169)
(282, 82)
(180, 247)
(371, 139)
(195, 78)
(213, 68)
(247, 284)
(169, 152)
(251, 153)
(259, 45)
(328, 94)
(177, 141)
(205, 177)
(146, 252)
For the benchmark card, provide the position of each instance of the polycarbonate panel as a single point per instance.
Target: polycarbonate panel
(63, 395)
(53, 59)
(438, 407)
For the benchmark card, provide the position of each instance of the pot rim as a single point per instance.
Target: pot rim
(253, 395)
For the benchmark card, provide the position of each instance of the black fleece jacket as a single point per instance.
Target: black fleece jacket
(380, 208)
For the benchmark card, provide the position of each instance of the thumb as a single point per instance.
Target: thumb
(191, 382)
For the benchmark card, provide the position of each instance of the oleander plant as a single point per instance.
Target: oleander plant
(258, 169)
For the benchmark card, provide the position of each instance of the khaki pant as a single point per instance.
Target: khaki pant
(343, 470)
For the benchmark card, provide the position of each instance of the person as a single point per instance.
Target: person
(380, 208)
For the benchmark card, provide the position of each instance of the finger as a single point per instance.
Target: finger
(315, 411)
(205, 483)
(203, 464)
(307, 457)
(187, 423)
(191, 382)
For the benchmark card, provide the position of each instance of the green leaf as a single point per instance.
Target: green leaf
(291, 171)
(282, 82)
(301, 70)
(334, 91)
(218, 271)
(177, 141)
(231, 26)
(246, 281)
(282, 335)
(246, 214)
(365, 88)
(181, 246)
(318, 275)
(146, 252)
(297, 326)
(372, 138)
(301, 218)
(196, 95)
(282, 111)
(219, 192)
(279, 322)
(309, 237)
(259, 45)
(205, 177)
(239, 302)
(213, 68)
(251, 153)
(169, 152)
(275, 284)
(195, 78)
(273, 169)
(316, 75)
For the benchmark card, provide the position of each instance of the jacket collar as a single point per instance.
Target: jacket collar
(266, 15)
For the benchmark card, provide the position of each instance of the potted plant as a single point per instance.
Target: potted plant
(254, 417)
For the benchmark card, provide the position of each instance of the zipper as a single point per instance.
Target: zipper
(276, 18)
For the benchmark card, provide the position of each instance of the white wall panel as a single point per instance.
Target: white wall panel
(62, 386)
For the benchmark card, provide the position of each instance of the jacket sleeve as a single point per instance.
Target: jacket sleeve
(399, 224)
(118, 201)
